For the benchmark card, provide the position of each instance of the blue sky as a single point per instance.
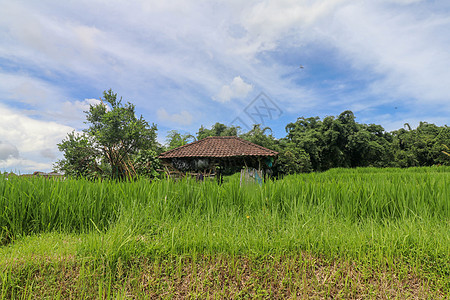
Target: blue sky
(190, 63)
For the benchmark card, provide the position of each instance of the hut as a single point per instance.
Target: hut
(217, 156)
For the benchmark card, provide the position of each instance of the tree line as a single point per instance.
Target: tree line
(118, 144)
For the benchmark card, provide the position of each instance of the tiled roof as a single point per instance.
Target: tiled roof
(219, 146)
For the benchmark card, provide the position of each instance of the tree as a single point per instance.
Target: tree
(80, 156)
(114, 137)
(338, 142)
(422, 146)
(258, 135)
(446, 153)
(292, 159)
(175, 139)
(217, 129)
(306, 134)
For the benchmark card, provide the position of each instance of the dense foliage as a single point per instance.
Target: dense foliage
(116, 144)
(176, 139)
(312, 144)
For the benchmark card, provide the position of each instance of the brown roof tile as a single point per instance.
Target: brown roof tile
(219, 146)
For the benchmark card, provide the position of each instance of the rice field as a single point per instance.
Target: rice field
(361, 221)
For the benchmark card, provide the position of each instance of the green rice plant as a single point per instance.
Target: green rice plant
(365, 214)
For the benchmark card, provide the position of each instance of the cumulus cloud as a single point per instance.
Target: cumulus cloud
(35, 140)
(236, 90)
(48, 153)
(75, 110)
(29, 134)
(183, 118)
(7, 151)
(82, 105)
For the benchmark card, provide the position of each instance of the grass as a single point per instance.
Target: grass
(372, 233)
(199, 276)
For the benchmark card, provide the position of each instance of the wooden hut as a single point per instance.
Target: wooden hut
(216, 156)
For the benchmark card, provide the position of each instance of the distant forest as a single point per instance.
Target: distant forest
(118, 144)
(312, 144)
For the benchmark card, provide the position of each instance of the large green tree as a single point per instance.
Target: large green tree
(339, 142)
(422, 146)
(113, 145)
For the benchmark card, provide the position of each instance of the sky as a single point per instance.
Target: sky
(190, 63)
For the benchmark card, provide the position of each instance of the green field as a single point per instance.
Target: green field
(344, 233)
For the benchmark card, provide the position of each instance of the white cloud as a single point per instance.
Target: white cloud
(41, 100)
(56, 54)
(48, 153)
(8, 151)
(183, 118)
(27, 89)
(237, 89)
(21, 166)
(268, 23)
(75, 110)
(408, 53)
(404, 2)
(35, 140)
(29, 134)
